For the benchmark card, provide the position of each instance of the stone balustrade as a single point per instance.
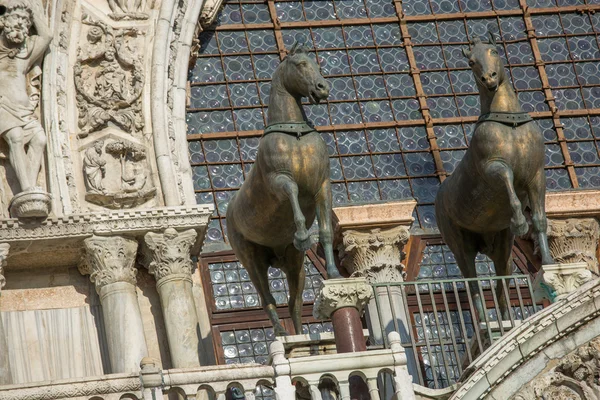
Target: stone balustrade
(284, 375)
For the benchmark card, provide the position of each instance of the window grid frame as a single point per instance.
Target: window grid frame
(427, 121)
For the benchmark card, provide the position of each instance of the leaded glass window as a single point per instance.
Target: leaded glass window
(233, 290)
(403, 100)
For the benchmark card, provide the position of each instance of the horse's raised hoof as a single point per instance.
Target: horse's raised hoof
(519, 226)
(333, 273)
(280, 331)
(302, 241)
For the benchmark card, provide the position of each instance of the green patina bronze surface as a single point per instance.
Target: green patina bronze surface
(479, 208)
(269, 217)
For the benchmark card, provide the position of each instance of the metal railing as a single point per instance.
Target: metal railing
(440, 327)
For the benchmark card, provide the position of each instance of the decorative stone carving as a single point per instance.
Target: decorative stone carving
(20, 55)
(574, 240)
(109, 79)
(128, 174)
(127, 10)
(340, 293)
(575, 377)
(4, 247)
(170, 252)
(374, 254)
(558, 280)
(109, 259)
(94, 168)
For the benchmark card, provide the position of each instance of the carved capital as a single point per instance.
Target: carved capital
(374, 254)
(559, 280)
(574, 240)
(4, 247)
(109, 259)
(573, 378)
(340, 293)
(169, 252)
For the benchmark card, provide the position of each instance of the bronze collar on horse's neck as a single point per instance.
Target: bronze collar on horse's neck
(297, 129)
(513, 119)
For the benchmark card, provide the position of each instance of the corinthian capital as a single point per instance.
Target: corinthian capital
(109, 259)
(4, 247)
(169, 252)
(375, 254)
(574, 240)
(341, 293)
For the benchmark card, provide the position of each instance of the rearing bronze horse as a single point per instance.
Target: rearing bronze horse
(269, 217)
(479, 208)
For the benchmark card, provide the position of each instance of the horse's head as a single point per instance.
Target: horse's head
(302, 77)
(486, 63)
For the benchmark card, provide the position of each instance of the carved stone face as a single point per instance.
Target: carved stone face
(16, 25)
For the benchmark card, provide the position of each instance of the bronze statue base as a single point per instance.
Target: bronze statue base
(33, 203)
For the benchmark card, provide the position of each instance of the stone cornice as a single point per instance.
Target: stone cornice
(376, 215)
(130, 222)
(573, 204)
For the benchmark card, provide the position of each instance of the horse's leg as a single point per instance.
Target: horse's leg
(498, 172)
(537, 203)
(256, 259)
(295, 273)
(325, 227)
(501, 256)
(285, 187)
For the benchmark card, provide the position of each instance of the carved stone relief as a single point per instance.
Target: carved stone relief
(116, 173)
(574, 240)
(574, 378)
(127, 9)
(109, 78)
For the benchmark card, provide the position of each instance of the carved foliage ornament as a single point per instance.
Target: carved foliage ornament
(109, 79)
(4, 247)
(109, 259)
(169, 252)
(340, 293)
(574, 240)
(574, 378)
(375, 254)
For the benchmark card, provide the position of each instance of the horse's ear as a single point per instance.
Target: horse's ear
(492, 38)
(294, 48)
(466, 52)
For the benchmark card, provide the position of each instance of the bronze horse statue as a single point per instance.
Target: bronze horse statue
(269, 217)
(479, 208)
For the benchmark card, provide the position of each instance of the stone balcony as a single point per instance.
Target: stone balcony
(282, 374)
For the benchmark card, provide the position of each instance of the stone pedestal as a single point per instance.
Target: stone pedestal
(110, 263)
(172, 266)
(343, 301)
(556, 281)
(5, 374)
(33, 203)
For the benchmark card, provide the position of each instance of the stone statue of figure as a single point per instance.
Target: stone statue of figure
(94, 168)
(19, 51)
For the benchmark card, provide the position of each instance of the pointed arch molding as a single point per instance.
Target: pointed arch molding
(532, 350)
(175, 30)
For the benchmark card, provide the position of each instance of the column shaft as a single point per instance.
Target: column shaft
(124, 327)
(347, 328)
(179, 311)
(5, 374)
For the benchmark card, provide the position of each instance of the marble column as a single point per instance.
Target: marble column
(376, 255)
(168, 256)
(343, 301)
(5, 375)
(573, 244)
(110, 262)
